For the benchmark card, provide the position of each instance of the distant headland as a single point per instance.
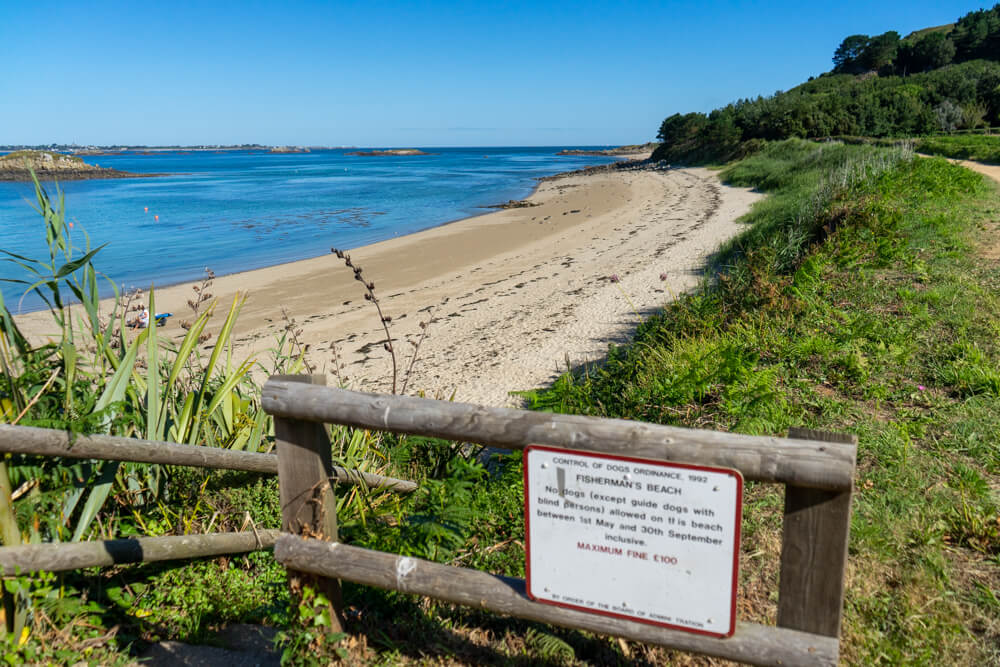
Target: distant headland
(143, 149)
(49, 165)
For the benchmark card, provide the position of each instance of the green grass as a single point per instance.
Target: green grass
(976, 147)
(917, 34)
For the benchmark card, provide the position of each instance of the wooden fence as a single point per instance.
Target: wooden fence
(816, 469)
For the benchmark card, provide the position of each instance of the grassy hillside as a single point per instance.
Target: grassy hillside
(917, 34)
(863, 297)
(40, 158)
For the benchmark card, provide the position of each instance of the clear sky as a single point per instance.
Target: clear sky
(407, 74)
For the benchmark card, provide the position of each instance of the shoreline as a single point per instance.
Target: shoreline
(59, 177)
(480, 210)
(509, 295)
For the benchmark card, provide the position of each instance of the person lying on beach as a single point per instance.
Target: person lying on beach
(141, 321)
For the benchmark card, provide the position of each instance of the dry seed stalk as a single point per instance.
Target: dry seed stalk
(293, 331)
(201, 296)
(416, 348)
(337, 367)
(370, 296)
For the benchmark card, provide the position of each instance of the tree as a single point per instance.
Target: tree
(977, 35)
(974, 115)
(931, 51)
(881, 51)
(678, 129)
(721, 131)
(847, 57)
(681, 136)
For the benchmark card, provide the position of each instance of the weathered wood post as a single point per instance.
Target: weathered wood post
(814, 551)
(308, 503)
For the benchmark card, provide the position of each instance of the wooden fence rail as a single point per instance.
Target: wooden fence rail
(817, 470)
(48, 442)
(812, 464)
(61, 556)
(753, 643)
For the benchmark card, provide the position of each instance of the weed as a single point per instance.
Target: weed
(316, 644)
(383, 318)
(385, 321)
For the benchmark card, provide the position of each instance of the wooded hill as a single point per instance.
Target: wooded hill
(938, 79)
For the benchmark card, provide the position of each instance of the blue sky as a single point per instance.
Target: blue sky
(414, 74)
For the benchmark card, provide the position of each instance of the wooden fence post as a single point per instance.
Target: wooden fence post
(814, 551)
(308, 503)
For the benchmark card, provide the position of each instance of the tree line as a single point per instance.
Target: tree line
(974, 36)
(943, 79)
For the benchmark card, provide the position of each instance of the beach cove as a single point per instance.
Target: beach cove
(508, 297)
(238, 210)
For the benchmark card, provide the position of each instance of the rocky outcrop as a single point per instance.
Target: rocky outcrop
(625, 165)
(289, 149)
(49, 166)
(513, 203)
(391, 151)
(620, 150)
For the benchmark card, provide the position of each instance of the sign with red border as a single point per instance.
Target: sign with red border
(632, 538)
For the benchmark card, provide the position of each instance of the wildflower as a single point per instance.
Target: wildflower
(921, 387)
(614, 277)
(663, 276)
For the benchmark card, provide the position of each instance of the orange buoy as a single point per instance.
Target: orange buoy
(156, 217)
(145, 209)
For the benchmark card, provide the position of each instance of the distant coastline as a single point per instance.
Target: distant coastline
(618, 150)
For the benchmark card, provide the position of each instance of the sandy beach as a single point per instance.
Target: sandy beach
(508, 297)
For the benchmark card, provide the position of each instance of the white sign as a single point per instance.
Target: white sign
(645, 540)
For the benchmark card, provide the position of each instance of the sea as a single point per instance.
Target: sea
(232, 211)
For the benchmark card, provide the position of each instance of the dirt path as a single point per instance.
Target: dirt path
(990, 170)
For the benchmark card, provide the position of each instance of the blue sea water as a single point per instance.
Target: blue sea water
(238, 210)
